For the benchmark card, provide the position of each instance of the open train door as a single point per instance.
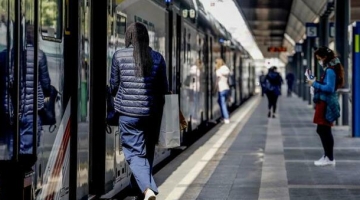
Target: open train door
(18, 123)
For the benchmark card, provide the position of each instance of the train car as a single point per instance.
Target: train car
(80, 156)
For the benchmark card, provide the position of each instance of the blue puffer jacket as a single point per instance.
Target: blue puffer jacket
(26, 86)
(138, 96)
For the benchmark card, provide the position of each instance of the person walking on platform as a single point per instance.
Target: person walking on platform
(273, 87)
(139, 83)
(222, 85)
(327, 108)
(290, 81)
(262, 81)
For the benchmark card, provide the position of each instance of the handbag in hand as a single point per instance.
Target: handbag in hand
(183, 122)
(47, 114)
(112, 117)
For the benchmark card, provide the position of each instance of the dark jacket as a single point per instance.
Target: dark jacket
(290, 78)
(138, 96)
(273, 83)
(325, 90)
(26, 83)
(262, 80)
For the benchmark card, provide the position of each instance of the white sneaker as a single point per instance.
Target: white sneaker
(319, 161)
(226, 121)
(150, 195)
(324, 161)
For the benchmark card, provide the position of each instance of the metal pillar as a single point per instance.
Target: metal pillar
(298, 72)
(305, 66)
(298, 64)
(355, 124)
(308, 55)
(324, 30)
(304, 86)
(342, 20)
(323, 39)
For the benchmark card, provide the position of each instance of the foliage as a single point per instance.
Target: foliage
(49, 13)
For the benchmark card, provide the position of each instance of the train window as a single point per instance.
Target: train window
(51, 20)
(150, 26)
(138, 19)
(120, 24)
(151, 29)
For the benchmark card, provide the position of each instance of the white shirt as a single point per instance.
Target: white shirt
(195, 78)
(223, 75)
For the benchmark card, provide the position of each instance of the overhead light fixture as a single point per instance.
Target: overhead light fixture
(288, 38)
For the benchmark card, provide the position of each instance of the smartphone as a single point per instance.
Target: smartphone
(309, 74)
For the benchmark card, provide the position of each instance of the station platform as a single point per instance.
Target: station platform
(256, 157)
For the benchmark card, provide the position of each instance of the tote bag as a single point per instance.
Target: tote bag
(170, 123)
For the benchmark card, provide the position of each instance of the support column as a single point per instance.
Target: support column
(308, 56)
(293, 68)
(324, 30)
(298, 64)
(298, 71)
(323, 39)
(303, 68)
(342, 20)
(355, 124)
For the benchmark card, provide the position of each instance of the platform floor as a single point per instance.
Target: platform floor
(259, 158)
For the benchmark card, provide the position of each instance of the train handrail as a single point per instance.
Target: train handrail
(345, 91)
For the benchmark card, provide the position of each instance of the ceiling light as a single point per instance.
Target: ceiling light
(288, 38)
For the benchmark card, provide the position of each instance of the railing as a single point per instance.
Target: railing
(341, 93)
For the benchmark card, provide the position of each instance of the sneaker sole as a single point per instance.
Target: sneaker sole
(322, 165)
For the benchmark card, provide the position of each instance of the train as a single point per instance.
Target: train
(80, 157)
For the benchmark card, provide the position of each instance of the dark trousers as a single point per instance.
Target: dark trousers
(327, 140)
(290, 86)
(262, 90)
(272, 100)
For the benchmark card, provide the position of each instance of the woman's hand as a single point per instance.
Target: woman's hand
(310, 82)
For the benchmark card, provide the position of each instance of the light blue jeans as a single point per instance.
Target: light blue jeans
(222, 97)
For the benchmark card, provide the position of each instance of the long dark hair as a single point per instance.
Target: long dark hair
(329, 55)
(137, 36)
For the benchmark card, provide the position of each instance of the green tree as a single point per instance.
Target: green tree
(49, 13)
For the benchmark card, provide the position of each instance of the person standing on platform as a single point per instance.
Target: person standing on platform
(290, 81)
(262, 80)
(327, 108)
(222, 85)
